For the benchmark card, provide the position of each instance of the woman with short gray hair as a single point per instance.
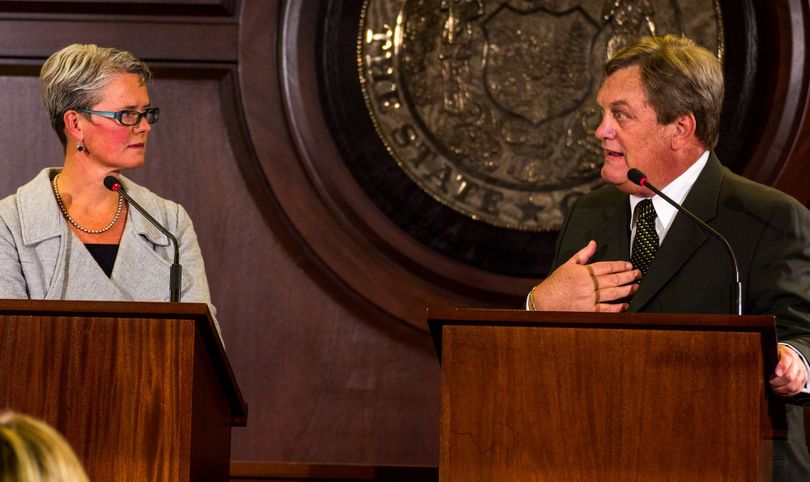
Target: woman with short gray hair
(64, 235)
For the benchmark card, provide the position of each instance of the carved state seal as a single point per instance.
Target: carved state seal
(489, 106)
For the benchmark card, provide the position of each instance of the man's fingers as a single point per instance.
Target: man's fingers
(785, 392)
(779, 382)
(784, 367)
(611, 307)
(584, 255)
(790, 375)
(616, 293)
(609, 267)
(787, 359)
(787, 389)
(618, 279)
(625, 280)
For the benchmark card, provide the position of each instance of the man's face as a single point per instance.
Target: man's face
(631, 135)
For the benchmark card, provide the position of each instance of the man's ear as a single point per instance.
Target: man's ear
(684, 130)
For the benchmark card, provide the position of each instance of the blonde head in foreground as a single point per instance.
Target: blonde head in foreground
(32, 451)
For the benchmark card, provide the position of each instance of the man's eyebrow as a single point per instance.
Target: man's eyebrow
(619, 103)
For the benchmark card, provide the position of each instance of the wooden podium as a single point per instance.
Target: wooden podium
(142, 391)
(530, 396)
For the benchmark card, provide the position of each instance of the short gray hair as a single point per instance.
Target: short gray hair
(74, 77)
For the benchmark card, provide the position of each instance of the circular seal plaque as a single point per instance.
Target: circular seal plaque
(489, 106)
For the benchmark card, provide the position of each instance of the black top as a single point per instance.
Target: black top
(104, 254)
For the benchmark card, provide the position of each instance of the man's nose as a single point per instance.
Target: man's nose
(604, 130)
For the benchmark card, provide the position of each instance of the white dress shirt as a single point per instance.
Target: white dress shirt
(677, 191)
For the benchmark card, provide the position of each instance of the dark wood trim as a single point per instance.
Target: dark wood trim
(792, 178)
(208, 8)
(145, 39)
(777, 156)
(290, 471)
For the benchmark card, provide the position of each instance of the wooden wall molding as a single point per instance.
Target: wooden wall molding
(150, 8)
(144, 38)
(332, 472)
(780, 157)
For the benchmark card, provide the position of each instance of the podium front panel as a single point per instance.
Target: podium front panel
(531, 403)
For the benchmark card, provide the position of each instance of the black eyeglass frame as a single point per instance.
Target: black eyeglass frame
(118, 116)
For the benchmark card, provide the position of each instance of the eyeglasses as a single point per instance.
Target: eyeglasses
(127, 117)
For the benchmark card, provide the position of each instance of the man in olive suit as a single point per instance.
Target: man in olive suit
(661, 101)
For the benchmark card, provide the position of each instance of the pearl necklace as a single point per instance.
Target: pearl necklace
(74, 223)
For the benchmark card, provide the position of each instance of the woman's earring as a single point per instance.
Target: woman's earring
(80, 146)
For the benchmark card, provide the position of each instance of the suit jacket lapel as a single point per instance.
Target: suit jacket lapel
(684, 236)
(612, 235)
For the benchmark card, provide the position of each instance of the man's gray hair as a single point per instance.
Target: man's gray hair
(680, 77)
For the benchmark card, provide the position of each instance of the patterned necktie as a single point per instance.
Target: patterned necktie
(645, 244)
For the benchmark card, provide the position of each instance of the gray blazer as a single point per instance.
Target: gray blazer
(40, 258)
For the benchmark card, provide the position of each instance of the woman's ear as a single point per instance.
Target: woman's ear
(73, 125)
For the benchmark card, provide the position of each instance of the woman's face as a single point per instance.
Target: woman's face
(105, 140)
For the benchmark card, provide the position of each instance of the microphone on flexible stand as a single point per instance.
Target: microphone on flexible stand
(638, 177)
(176, 273)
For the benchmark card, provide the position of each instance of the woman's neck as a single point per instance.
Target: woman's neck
(83, 186)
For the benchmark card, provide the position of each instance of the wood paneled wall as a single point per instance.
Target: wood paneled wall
(331, 376)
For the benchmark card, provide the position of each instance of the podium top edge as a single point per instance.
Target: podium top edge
(476, 316)
(126, 309)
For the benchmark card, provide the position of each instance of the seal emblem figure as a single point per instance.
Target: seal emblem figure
(489, 105)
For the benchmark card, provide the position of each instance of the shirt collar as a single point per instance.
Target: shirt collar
(677, 190)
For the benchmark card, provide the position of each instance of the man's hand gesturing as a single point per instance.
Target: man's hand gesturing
(579, 286)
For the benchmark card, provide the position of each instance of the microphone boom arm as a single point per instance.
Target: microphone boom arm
(176, 272)
(638, 178)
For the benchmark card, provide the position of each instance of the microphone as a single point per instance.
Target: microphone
(176, 273)
(638, 177)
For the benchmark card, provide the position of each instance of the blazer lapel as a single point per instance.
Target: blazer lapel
(39, 220)
(684, 236)
(87, 281)
(43, 228)
(140, 272)
(612, 235)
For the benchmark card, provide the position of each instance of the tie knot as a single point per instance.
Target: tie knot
(646, 211)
